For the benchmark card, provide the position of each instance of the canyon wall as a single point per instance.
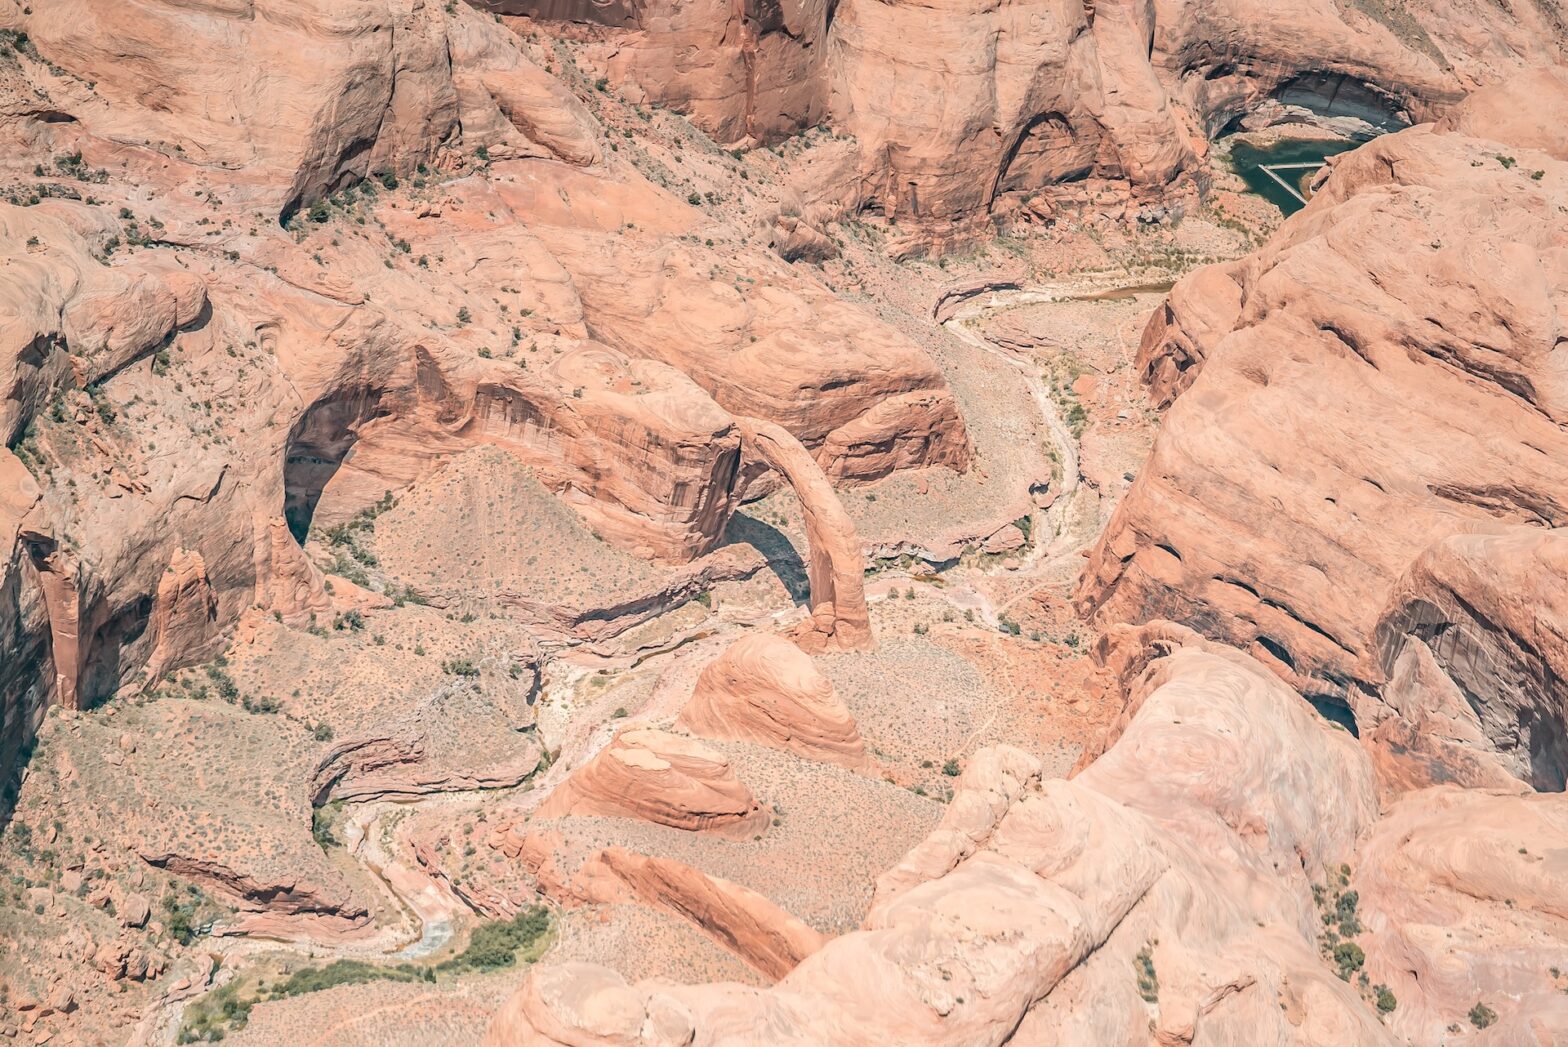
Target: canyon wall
(956, 116)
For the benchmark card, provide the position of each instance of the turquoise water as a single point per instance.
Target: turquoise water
(1249, 160)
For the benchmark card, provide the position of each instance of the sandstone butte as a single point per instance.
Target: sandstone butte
(667, 347)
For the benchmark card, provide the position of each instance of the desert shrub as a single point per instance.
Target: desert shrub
(1148, 981)
(1348, 957)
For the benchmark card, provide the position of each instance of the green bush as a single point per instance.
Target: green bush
(1148, 981)
(495, 945)
(1345, 913)
(346, 972)
(228, 690)
(321, 824)
(227, 1010)
(1481, 1015)
(1348, 957)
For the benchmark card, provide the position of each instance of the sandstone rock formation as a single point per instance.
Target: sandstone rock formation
(746, 923)
(1377, 377)
(1190, 845)
(780, 351)
(746, 74)
(1524, 110)
(765, 689)
(663, 778)
(1463, 897)
(321, 326)
(258, 284)
(1052, 103)
(288, 101)
(837, 568)
(1474, 644)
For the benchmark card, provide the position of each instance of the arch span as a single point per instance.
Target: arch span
(837, 568)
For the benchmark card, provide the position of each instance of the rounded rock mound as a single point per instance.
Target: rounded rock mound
(765, 689)
(659, 777)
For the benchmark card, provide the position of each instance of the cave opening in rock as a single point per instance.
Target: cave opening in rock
(1335, 710)
(1334, 103)
(1354, 108)
(320, 442)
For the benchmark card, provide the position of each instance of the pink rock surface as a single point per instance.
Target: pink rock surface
(1191, 842)
(1387, 380)
(765, 689)
(662, 778)
(1465, 896)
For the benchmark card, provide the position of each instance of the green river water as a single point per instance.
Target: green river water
(1249, 161)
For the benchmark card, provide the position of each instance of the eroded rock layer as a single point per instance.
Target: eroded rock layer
(260, 280)
(662, 778)
(766, 689)
(958, 116)
(1190, 843)
(1384, 373)
(1474, 643)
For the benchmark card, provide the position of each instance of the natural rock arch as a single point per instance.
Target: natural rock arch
(838, 565)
